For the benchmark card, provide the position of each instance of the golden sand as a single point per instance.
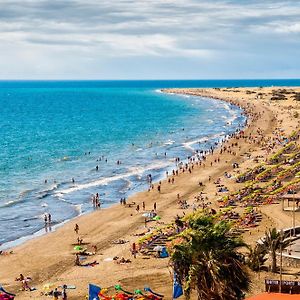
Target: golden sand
(50, 258)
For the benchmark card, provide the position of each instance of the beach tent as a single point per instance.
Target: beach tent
(177, 288)
(274, 296)
(94, 291)
(164, 253)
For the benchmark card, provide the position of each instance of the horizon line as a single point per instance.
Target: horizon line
(178, 79)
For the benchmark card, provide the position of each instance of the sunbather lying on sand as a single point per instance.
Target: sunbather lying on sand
(6, 252)
(91, 264)
(121, 260)
(120, 241)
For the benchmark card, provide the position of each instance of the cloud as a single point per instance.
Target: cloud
(84, 30)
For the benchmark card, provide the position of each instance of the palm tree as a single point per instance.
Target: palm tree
(273, 241)
(206, 260)
(256, 257)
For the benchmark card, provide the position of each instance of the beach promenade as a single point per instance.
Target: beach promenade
(50, 259)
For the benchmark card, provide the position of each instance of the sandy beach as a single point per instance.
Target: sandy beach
(50, 258)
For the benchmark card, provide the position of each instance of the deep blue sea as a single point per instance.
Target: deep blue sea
(59, 130)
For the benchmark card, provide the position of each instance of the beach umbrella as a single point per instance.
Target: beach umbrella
(156, 218)
(78, 248)
(139, 292)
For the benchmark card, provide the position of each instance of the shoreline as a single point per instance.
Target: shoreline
(54, 262)
(9, 245)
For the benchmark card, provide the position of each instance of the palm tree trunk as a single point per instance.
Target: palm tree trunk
(274, 264)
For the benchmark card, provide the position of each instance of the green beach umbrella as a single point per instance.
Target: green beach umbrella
(156, 218)
(78, 248)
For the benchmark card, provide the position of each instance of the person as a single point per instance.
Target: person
(49, 218)
(137, 208)
(77, 260)
(158, 188)
(76, 228)
(64, 293)
(144, 206)
(133, 250)
(55, 294)
(24, 280)
(154, 206)
(46, 219)
(94, 248)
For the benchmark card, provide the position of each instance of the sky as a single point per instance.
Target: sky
(149, 39)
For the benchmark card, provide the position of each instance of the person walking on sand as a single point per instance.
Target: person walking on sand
(137, 208)
(133, 250)
(55, 294)
(76, 228)
(154, 206)
(64, 293)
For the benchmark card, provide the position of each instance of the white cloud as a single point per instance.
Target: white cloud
(57, 33)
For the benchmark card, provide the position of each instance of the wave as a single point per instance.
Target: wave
(18, 200)
(45, 193)
(10, 203)
(127, 185)
(78, 208)
(104, 181)
(231, 118)
(25, 192)
(33, 218)
(169, 142)
(188, 145)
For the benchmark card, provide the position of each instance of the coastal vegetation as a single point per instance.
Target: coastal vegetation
(206, 259)
(275, 241)
(256, 257)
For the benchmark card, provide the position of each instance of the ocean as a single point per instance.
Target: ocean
(54, 131)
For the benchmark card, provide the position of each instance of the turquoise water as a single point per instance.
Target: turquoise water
(56, 131)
